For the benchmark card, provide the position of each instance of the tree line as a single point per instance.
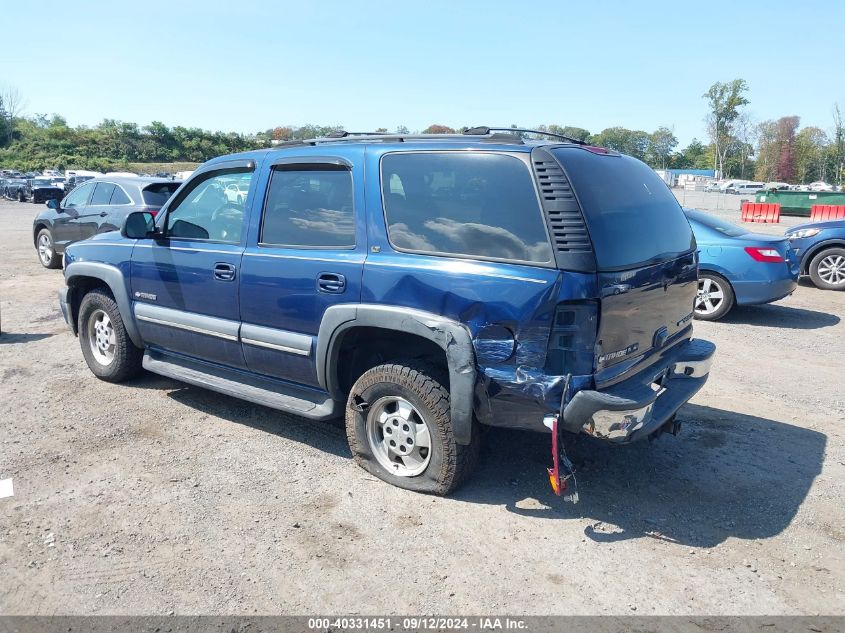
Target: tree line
(736, 145)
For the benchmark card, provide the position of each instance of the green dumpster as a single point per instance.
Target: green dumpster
(800, 202)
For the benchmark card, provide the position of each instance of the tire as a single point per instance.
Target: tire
(827, 269)
(106, 346)
(46, 250)
(387, 392)
(715, 297)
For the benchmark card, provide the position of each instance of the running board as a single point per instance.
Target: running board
(231, 382)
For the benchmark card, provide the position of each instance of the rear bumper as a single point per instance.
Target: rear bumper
(639, 406)
(764, 291)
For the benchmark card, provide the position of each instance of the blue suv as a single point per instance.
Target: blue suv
(420, 285)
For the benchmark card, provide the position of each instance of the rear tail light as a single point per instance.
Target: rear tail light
(759, 254)
(152, 212)
(571, 348)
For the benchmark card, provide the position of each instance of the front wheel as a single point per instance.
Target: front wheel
(715, 297)
(827, 270)
(47, 254)
(106, 346)
(399, 428)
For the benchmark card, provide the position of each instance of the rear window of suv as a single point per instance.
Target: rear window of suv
(156, 195)
(633, 217)
(466, 204)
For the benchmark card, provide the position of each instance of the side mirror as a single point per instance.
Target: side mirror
(138, 225)
(52, 203)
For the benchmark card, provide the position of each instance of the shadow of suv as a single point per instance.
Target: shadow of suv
(419, 285)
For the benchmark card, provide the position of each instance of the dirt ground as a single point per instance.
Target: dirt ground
(154, 497)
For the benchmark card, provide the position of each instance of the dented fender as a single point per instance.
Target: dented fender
(451, 336)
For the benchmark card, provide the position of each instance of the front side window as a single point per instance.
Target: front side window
(309, 206)
(102, 193)
(207, 213)
(79, 196)
(465, 204)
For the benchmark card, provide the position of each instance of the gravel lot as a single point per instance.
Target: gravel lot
(154, 497)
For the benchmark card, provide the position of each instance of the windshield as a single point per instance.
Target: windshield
(632, 216)
(720, 226)
(41, 182)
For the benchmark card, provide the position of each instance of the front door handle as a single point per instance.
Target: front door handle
(333, 283)
(224, 272)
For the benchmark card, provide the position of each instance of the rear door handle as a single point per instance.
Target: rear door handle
(224, 272)
(333, 283)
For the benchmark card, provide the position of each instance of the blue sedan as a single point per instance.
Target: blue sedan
(820, 247)
(739, 268)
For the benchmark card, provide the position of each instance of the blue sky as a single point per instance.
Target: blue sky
(253, 65)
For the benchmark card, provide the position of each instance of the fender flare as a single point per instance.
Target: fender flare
(116, 282)
(451, 336)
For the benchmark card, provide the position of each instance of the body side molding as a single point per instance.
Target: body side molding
(190, 321)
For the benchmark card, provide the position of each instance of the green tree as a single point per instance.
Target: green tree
(436, 128)
(767, 151)
(724, 101)
(577, 133)
(632, 142)
(660, 147)
(810, 155)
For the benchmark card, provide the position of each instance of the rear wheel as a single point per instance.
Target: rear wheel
(47, 254)
(399, 428)
(827, 270)
(715, 297)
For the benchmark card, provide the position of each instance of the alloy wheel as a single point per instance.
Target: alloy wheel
(45, 249)
(398, 436)
(832, 269)
(710, 296)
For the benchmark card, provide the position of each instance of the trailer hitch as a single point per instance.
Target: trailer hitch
(562, 472)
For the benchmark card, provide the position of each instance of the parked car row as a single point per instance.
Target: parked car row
(38, 189)
(743, 187)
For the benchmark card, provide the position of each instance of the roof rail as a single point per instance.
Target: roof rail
(483, 129)
(341, 136)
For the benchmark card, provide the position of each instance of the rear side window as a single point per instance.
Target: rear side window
(119, 197)
(632, 216)
(102, 193)
(480, 205)
(309, 206)
(157, 195)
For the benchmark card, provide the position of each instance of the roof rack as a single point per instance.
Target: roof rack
(483, 129)
(486, 134)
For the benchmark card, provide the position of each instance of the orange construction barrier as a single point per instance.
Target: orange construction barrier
(824, 212)
(765, 212)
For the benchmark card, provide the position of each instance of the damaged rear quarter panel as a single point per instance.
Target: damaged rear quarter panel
(508, 309)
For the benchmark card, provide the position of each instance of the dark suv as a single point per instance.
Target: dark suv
(97, 206)
(420, 285)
